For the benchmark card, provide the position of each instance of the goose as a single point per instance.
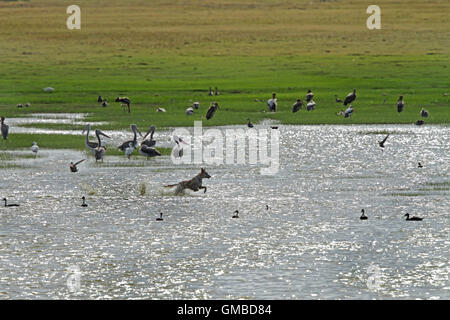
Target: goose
(274, 127)
(160, 217)
(350, 97)
(48, 89)
(84, 204)
(272, 103)
(73, 166)
(400, 104)
(236, 214)
(348, 112)
(104, 103)
(177, 150)
(27, 105)
(4, 128)
(420, 165)
(10, 205)
(424, 113)
(216, 91)
(91, 145)
(19, 105)
(149, 142)
(160, 110)
(148, 151)
(129, 150)
(311, 105)
(189, 111)
(297, 106)
(134, 142)
(381, 143)
(212, 110)
(100, 99)
(35, 149)
(363, 216)
(412, 218)
(337, 99)
(309, 96)
(249, 124)
(211, 93)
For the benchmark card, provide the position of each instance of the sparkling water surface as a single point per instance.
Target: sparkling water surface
(309, 244)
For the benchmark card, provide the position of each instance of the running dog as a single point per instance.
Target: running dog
(194, 184)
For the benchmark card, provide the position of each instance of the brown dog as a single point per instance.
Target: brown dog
(194, 184)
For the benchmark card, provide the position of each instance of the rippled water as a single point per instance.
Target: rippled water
(310, 244)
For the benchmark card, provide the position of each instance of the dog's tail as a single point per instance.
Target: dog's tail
(171, 185)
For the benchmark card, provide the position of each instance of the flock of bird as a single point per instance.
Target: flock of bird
(146, 146)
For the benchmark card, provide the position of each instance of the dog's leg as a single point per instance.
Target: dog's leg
(203, 188)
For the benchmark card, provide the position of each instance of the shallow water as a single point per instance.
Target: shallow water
(310, 244)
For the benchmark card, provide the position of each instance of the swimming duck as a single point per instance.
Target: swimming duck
(236, 214)
(412, 218)
(363, 216)
(10, 205)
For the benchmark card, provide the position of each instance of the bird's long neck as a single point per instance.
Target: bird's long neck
(87, 134)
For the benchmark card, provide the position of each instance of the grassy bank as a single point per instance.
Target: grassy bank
(168, 54)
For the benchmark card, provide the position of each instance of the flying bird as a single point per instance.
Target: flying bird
(73, 166)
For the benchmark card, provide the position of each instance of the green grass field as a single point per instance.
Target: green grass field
(168, 54)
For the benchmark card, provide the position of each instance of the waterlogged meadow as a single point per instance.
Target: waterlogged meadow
(299, 233)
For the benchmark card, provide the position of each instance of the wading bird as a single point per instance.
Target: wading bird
(91, 145)
(189, 111)
(212, 110)
(412, 218)
(129, 150)
(134, 142)
(272, 103)
(348, 112)
(10, 205)
(35, 149)
(148, 151)
(363, 216)
(297, 106)
(99, 152)
(310, 106)
(350, 97)
(4, 128)
(381, 143)
(309, 96)
(73, 166)
(125, 102)
(149, 142)
(177, 150)
(400, 104)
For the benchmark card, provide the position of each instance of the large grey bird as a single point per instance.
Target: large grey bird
(4, 128)
(350, 97)
(134, 142)
(400, 104)
(212, 110)
(91, 145)
(149, 142)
